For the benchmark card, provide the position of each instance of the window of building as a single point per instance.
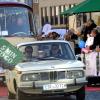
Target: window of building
(46, 17)
(66, 19)
(35, 1)
(66, 7)
(61, 8)
(29, 2)
(56, 14)
(72, 5)
(42, 16)
(52, 15)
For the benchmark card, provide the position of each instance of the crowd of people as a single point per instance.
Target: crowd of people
(88, 29)
(86, 40)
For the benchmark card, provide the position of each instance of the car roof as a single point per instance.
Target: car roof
(45, 41)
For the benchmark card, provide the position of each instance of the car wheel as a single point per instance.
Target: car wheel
(19, 95)
(80, 94)
(11, 95)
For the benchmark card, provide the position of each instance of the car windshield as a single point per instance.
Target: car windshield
(47, 51)
(15, 21)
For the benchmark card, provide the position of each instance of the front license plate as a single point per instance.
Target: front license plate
(54, 86)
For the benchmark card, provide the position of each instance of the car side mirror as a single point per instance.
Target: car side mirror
(78, 57)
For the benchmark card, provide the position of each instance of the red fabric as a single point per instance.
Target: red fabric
(92, 88)
(3, 91)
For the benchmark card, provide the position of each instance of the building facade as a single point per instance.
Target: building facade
(50, 11)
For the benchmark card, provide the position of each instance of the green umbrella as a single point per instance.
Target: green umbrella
(84, 7)
(68, 12)
(88, 6)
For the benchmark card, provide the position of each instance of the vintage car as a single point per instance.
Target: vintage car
(49, 68)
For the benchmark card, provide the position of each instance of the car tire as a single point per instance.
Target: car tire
(80, 94)
(19, 95)
(11, 95)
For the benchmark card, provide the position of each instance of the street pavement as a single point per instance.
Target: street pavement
(90, 95)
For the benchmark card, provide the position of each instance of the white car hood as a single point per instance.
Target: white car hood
(48, 65)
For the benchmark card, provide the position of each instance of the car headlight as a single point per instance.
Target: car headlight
(30, 77)
(75, 74)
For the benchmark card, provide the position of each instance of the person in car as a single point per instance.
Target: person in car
(28, 53)
(55, 51)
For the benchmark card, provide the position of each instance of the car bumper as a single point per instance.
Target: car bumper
(38, 89)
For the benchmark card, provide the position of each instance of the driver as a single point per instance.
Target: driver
(55, 51)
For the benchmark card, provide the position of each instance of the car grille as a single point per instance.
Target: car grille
(54, 75)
